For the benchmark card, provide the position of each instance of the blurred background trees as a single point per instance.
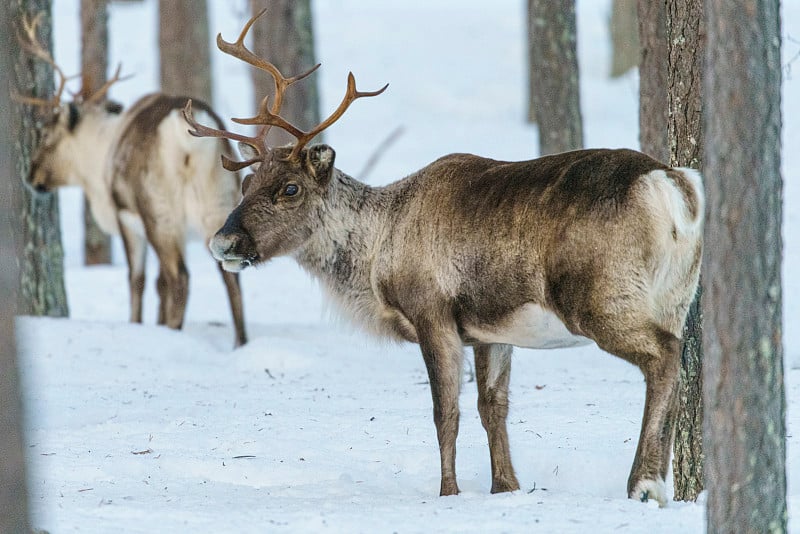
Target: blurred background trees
(41, 263)
(94, 64)
(553, 73)
(185, 48)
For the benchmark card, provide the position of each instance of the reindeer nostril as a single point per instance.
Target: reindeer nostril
(41, 188)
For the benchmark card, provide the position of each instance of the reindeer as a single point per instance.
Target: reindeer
(144, 177)
(586, 246)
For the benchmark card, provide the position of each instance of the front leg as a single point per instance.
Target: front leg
(443, 354)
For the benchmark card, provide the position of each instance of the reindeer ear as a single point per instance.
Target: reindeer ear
(319, 159)
(249, 152)
(73, 117)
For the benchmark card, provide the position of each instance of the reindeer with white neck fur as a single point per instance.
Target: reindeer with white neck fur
(145, 178)
(591, 245)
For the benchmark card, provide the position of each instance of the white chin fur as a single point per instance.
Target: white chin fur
(233, 266)
(651, 489)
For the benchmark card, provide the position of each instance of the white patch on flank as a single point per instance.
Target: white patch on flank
(530, 326)
(651, 489)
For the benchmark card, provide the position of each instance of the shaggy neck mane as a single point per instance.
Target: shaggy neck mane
(349, 229)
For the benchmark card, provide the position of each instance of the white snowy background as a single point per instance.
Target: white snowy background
(313, 426)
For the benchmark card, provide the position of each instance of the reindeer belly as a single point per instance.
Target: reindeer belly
(530, 326)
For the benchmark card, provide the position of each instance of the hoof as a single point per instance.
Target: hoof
(644, 490)
(448, 489)
(503, 485)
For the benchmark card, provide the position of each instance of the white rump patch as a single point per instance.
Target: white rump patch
(651, 489)
(530, 326)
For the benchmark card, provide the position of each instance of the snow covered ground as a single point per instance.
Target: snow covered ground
(311, 426)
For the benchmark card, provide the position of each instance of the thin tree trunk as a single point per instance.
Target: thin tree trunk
(42, 258)
(624, 37)
(284, 35)
(13, 490)
(743, 368)
(554, 75)
(183, 40)
(653, 109)
(685, 43)
(94, 64)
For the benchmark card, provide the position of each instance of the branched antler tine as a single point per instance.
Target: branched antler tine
(269, 118)
(198, 130)
(350, 96)
(97, 95)
(238, 49)
(32, 46)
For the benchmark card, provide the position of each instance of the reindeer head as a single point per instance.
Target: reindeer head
(58, 154)
(288, 185)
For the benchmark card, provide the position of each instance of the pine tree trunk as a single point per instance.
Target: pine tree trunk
(42, 258)
(653, 109)
(284, 35)
(13, 491)
(94, 64)
(743, 382)
(554, 75)
(624, 37)
(183, 40)
(685, 42)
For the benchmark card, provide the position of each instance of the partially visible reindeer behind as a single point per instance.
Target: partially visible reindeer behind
(145, 178)
(591, 245)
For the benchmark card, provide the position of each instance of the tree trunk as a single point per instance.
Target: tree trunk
(94, 64)
(653, 108)
(624, 37)
(13, 492)
(554, 75)
(183, 40)
(41, 258)
(743, 369)
(685, 44)
(284, 35)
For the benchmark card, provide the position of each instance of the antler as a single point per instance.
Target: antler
(30, 44)
(268, 115)
(97, 95)
(198, 130)
(238, 50)
(265, 116)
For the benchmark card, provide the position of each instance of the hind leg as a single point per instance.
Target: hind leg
(493, 370)
(136, 254)
(657, 353)
(173, 281)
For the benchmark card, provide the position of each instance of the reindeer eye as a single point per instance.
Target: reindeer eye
(291, 190)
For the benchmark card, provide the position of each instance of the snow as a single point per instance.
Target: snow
(313, 426)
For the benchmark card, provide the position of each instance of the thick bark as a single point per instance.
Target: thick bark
(624, 37)
(13, 492)
(184, 43)
(41, 258)
(653, 108)
(743, 368)
(94, 64)
(685, 45)
(553, 67)
(284, 35)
